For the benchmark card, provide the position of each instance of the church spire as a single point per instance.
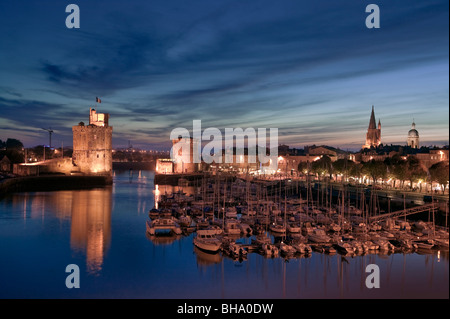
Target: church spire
(372, 123)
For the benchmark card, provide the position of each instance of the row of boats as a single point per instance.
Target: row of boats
(299, 235)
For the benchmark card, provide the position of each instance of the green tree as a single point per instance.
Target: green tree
(322, 166)
(415, 171)
(345, 167)
(439, 173)
(397, 169)
(375, 169)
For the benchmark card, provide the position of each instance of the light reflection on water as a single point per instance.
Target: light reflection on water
(103, 231)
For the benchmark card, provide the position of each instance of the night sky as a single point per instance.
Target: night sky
(310, 68)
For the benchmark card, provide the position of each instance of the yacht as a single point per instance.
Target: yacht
(344, 248)
(302, 248)
(318, 236)
(163, 226)
(232, 227)
(293, 228)
(287, 249)
(206, 240)
(277, 228)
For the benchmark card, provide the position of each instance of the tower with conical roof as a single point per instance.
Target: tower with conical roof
(373, 136)
(413, 136)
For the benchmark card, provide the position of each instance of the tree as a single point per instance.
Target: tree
(13, 144)
(375, 169)
(414, 169)
(344, 167)
(397, 169)
(303, 168)
(439, 173)
(322, 166)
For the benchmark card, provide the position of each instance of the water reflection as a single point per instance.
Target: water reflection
(91, 225)
(206, 259)
(58, 224)
(162, 240)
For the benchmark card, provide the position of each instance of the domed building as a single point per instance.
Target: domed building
(413, 136)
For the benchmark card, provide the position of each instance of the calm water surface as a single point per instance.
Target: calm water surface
(103, 232)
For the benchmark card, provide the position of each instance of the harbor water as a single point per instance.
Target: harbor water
(103, 231)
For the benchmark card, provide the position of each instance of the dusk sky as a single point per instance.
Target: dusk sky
(310, 68)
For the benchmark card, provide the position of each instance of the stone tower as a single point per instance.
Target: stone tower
(183, 155)
(373, 136)
(413, 136)
(92, 145)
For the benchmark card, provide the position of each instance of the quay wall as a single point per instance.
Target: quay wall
(172, 179)
(52, 183)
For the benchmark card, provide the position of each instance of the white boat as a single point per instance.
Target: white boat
(217, 230)
(442, 243)
(329, 249)
(424, 244)
(207, 240)
(293, 228)
(231, 212)
(358, 246)
(202, 223)
(232, 227)
(162, 226)
(287, 249)
(318, 236)
(307, 228)
(384, 245)
(369, 245)
(302, 248)
(344, 248)
(277, 228)
(245, 228)
(233, 249)
(269, 250)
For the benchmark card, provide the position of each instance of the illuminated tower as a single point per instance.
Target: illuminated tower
(92, 145)
(183, 155)
(373, 136)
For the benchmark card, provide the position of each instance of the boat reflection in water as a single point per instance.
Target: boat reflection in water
(90, 231)
(162, 240)
(207, 258)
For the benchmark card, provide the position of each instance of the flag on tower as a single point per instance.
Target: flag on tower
(98, 100)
